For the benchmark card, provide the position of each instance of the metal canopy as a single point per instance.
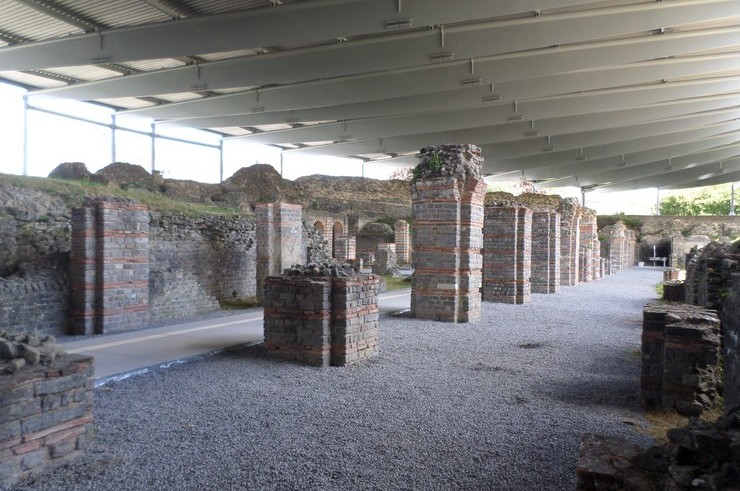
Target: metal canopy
(618, 94)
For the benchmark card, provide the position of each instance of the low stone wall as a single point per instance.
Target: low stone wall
(731, 343)
(37, 297)
(698, 456)
(680, 357)
(45, 417)
(320, 320)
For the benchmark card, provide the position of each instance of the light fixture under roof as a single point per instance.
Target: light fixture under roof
(470, 82)
(532, 133)
(491, 98)
(441, 56)
(399, 23)
(515, 117)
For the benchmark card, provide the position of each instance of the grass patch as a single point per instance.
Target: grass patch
(659, 289)
(660, 421)
(73, 193)
(396, 283)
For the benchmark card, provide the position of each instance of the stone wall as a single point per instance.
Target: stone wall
(680, 357)
(45, 417)
(195, 262)
(371, 236)
(321, 321)
(731, 343)
(37, 296)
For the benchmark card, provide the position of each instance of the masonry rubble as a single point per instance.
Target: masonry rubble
(45, 405)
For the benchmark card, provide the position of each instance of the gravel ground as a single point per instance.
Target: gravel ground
(500, 404)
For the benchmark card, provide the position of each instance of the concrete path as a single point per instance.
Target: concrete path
(120, 355)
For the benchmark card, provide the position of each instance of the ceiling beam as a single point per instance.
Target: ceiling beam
(721, 178)
(563, 133)
(280, 25)
(631, 158)
(591, 175)
(405, 83)
(60, 13)
(659, 180)
(406, 50)
(546, 159)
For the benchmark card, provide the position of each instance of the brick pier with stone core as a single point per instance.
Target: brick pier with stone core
(109, 266)
(507, 249)
(545, 276)
(322, 321)
(569, 241)
(447, 204)
(279, 240)
(403, 241)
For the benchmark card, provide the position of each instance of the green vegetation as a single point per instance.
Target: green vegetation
(73, 193)
(396, 283)
(712, 200)
(659, 289)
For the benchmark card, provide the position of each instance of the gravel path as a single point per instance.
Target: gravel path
(500, 404)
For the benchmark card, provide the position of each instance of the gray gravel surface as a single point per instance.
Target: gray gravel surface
(499, 404)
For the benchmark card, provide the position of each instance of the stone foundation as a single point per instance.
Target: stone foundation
(45, 417)
(322, 321)
(680, 356)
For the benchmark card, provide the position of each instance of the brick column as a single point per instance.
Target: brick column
(109, 266)
(569, 239)
(297, 318)
(542, 250)
(555, 250)
(344, 248)
(279, 239)
(403, 241)
(447, 234)
(506, 249)
(587, 235)
(355, 331)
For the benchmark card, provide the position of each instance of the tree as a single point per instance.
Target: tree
(714, 200)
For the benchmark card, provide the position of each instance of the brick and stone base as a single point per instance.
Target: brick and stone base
(322, 321)
(279, 239)
(45, 417)
(680, 355)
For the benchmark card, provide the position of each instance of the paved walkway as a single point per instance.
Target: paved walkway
(120, 355)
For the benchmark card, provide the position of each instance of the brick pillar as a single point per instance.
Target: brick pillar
(541, 250)
(403, 241)
(109, 266)
(355, 331)
(506, 250)
(447, 234)
(587, 235)
(297, 318)
(569, 232)
(344, 248)
(555, 251)
(279, 239)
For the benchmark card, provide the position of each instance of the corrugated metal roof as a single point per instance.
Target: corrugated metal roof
(31, 80)
(27, 23)
(87, 72)
(115, 13)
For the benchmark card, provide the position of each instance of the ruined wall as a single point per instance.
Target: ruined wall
(731, 340)
(195, 262)
(371, 235)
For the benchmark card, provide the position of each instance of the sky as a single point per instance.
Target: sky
(53, 139)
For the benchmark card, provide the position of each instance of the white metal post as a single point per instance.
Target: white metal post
(25, 134)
